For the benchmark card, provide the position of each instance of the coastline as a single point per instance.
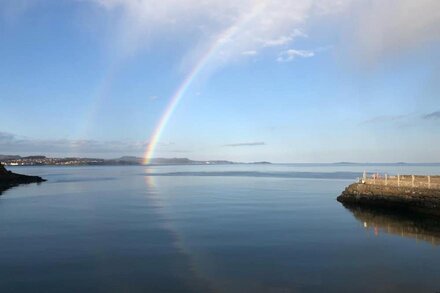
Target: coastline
(9, 179)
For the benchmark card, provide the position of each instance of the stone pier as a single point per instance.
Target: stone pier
(404, 194)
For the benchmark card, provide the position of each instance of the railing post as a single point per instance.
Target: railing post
(429, 182)
(398, 180)
(386, 179)
(412, 181)
(365, 176)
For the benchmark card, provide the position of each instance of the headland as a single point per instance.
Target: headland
(9, 179)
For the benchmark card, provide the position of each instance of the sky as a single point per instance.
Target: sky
(241, 80)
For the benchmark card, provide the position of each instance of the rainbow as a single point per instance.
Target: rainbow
(181, 90)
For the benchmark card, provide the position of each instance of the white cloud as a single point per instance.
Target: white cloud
(249, 53)
(325, 7)
(378, 28)
(283, 40)
(291, 54)
(245, 144)
(384, 28)
(253, 25)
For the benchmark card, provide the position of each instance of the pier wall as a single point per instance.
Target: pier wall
(418, 199)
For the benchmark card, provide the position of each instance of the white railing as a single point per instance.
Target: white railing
(412, 181)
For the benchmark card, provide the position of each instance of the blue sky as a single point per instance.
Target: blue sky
(295, 81)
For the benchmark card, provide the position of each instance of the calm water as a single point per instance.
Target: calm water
(241, 228)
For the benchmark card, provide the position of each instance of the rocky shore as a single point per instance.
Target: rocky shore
(424, 200)
(9, 179)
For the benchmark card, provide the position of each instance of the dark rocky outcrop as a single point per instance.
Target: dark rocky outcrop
(9, 179)
(422, 200)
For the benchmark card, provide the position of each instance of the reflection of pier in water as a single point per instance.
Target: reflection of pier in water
(414, 226)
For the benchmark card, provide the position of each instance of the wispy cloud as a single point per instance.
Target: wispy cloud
(291, 54)
(10, 143)
(389, 119)
(180, 151)
(403, 119)
(432, 116)
(259, 143)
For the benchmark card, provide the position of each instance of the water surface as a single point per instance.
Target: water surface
(240, 228)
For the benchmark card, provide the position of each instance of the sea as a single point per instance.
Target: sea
(211, 228)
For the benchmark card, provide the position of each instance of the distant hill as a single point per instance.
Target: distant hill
(9, 157)
(186, 161)
(172, 161)
(15, 160)
(127, 160)
(167, 161)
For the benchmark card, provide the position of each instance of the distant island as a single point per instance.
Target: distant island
(9, 179)
(385, 164)
(15, 160)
